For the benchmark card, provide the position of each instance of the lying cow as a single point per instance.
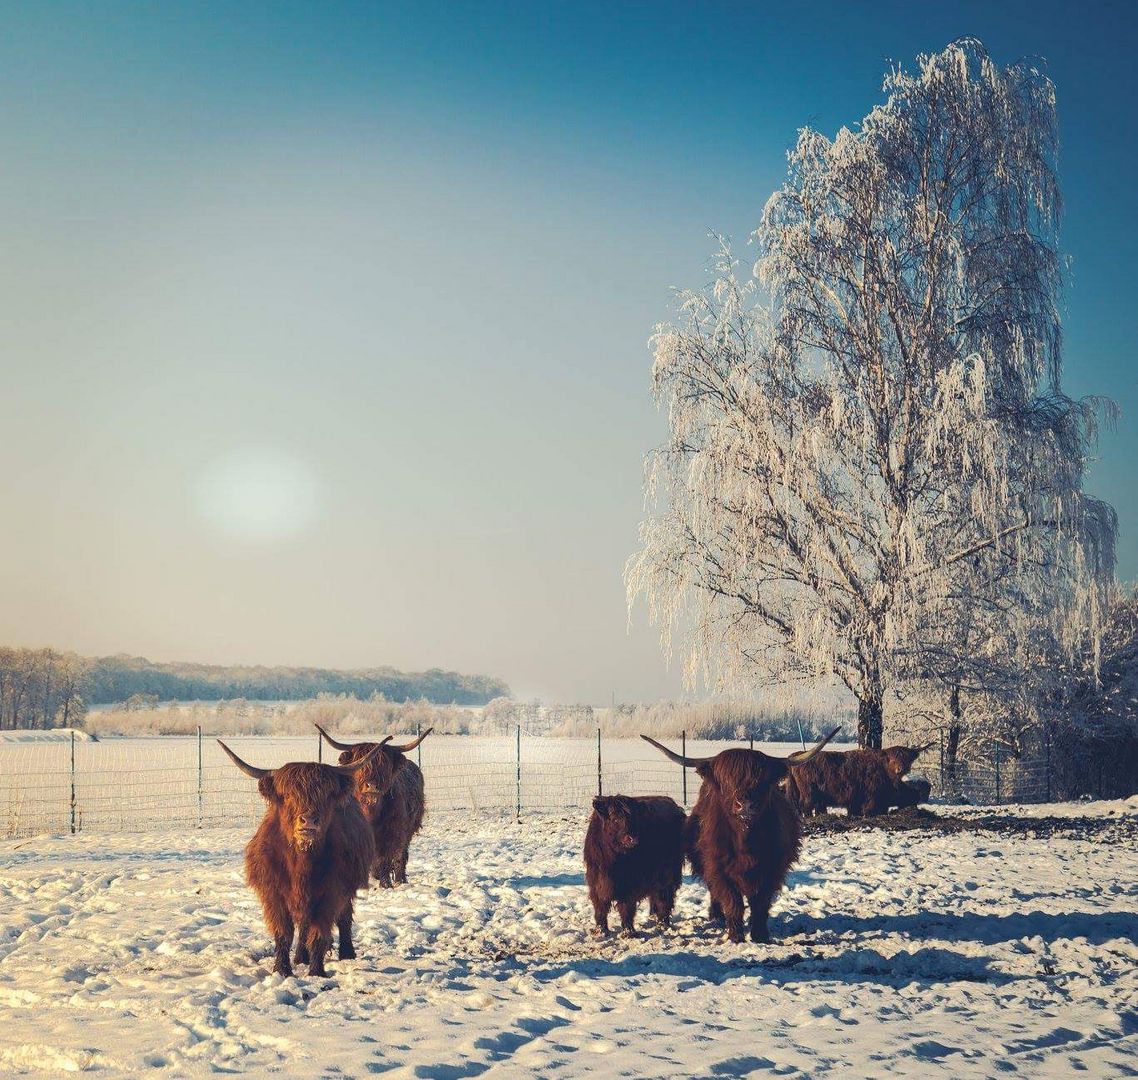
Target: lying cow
(911, 793)
(743, 834)
(634, 848)
(864, 782)
(308, 858)
(390, 790)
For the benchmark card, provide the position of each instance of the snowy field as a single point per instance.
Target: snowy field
(908, 953)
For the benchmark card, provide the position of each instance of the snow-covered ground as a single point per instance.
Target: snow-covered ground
(897, 953)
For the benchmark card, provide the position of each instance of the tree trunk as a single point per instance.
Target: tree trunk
(869, 722)
(952, 742)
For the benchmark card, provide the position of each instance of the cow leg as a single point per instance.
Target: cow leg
(715, 913)
(760, 912)
(401, 865)
(319, 942)
(344, 931)
(730, 903)
(280, 927)
(627, 911)
(661, 903)
(601, 905)
(301, 954)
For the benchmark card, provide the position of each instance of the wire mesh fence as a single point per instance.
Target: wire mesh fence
(144, 784)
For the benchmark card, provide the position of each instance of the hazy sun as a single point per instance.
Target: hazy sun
(258, 496)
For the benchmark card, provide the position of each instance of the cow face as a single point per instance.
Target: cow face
(374, 779)
(899, 759)
(618, 820)
(307, 796)
(744, 781)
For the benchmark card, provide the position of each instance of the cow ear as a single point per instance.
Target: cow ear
(397, 763)
(704, 770)
(600, 805)
(345, 757)
(267, 790)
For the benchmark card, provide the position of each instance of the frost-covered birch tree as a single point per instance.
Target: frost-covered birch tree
(872, 473)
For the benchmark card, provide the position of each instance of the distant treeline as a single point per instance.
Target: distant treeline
(42, 688)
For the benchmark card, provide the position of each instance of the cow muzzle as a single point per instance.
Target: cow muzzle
(629, 841)
(305, 839)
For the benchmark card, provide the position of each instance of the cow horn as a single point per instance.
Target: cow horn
(679, 759)
(800, 757)
(244, 766)
(355, 766)
(342, 745)
(919, 750)
(412, 744)
(332, 742)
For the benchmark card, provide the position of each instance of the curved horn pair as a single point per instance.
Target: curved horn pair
(799, 757)
(258, 774)
(398, 749)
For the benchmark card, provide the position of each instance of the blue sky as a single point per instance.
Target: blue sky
(407, 257)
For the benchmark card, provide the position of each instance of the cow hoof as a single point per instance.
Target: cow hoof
(735, 936)
(760, 939)
(600, 932)
(347, 954)
(318, 971)
(629, 932)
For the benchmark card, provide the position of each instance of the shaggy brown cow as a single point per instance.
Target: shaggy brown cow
(308, 857)
(743, 834)
(861, 781)
(634, 848)
(390, 791)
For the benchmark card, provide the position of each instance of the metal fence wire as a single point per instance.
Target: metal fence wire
(150, 784)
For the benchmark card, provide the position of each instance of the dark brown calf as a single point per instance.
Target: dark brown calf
(390, 791)
(911, 793)
(308, 857)
(634, 848)
(743, 834)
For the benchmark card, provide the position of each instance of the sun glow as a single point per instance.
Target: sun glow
(258, 497)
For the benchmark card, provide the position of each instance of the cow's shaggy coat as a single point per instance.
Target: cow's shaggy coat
(308, 858)
(863, 782)
(634, 848)
(743, 834)
(391, 793)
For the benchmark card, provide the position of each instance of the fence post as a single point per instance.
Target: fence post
(72, 781)
(801, 737)
(518, 762)
(599, 791)
(684, 768)
(419, 748)
(319, 747)
(199, 776)
(997, 774)
(751, 740)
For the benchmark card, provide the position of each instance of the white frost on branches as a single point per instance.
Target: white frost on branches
(872, 473)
